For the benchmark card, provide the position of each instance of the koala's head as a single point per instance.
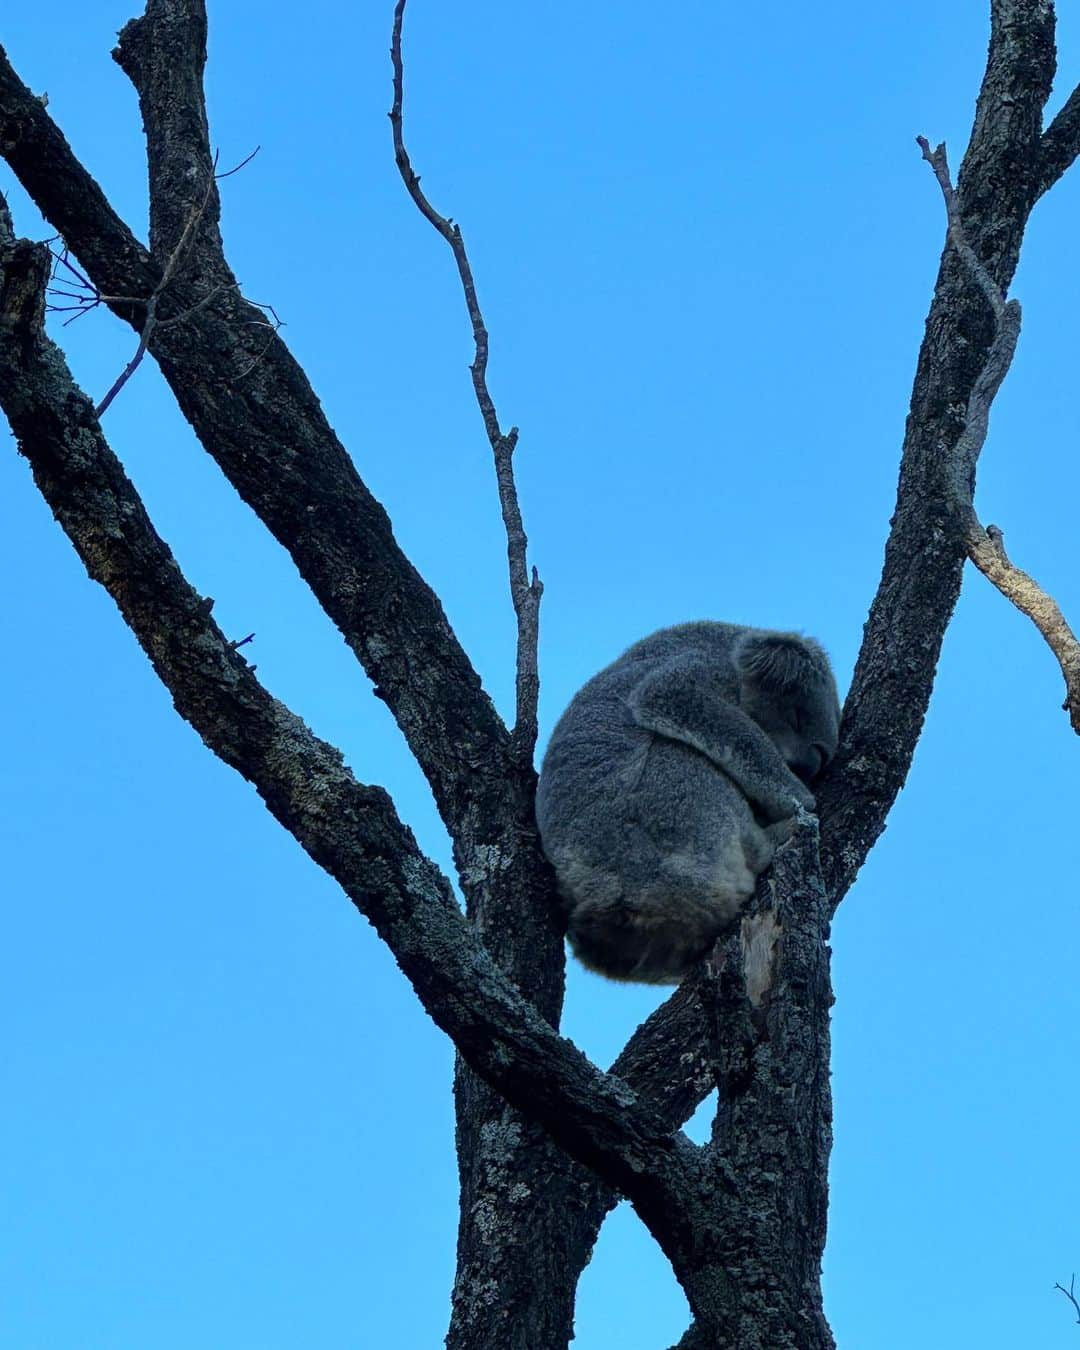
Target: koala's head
(786, 685)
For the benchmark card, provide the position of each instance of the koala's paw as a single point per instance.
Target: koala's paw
(780, 831)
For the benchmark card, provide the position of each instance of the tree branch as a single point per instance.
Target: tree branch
(525, 594)
(163, 54)
(1060, 143)
(70, 198)
(986, 549)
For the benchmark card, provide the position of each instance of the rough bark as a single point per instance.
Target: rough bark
(772, 1133)
(521, 1294)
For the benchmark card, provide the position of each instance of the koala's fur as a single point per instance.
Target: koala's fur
(669, 782)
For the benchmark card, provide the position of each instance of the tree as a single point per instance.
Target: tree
(742, 1223)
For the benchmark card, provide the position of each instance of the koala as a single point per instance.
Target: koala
(670, 781)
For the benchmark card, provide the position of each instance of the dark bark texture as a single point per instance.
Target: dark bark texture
(547, 1142)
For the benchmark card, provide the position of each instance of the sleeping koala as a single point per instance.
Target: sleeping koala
(669, 782)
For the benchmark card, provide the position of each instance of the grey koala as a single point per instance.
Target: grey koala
(669, 782)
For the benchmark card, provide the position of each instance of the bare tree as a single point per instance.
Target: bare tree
(547, 1141)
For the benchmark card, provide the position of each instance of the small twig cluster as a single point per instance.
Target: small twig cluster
(69, 284)
(273, 324)
(151, 321)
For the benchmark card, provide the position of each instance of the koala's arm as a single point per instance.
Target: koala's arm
(686, 701)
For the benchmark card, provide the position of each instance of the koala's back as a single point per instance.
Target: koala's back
(654, 847)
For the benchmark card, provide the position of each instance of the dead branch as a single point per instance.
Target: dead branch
(1070, 1294)
(939, 162)
(986, 549)
(525, 594)
(985, 546)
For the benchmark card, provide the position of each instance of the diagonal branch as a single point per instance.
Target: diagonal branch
(71, 198)
(349, 829)
(986, 549)
(525, 594)
(1060, 143)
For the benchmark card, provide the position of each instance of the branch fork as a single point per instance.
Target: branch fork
(985, 545)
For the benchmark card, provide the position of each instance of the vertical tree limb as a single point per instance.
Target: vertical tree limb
(986, 547)
(526, 594)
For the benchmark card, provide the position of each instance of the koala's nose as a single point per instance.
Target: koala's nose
(809, 764)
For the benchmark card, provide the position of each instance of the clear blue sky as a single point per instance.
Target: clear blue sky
(705, 243)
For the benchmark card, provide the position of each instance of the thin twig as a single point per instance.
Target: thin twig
(938, 161)
(88, 297)
(150, 322)
(76, 287)
(1070, 1294)
(273, 328)
(237, 167)
(524, 592)
(986, 546)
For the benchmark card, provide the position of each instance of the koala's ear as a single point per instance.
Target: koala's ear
(780, 661)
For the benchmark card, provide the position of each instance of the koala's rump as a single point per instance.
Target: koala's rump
(657, 817)
(654, 859)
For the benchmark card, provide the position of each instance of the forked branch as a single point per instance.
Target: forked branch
(525, 592)
(985, 546)
(1070, 1294)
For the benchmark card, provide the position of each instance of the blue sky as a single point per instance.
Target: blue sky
(705, 244)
